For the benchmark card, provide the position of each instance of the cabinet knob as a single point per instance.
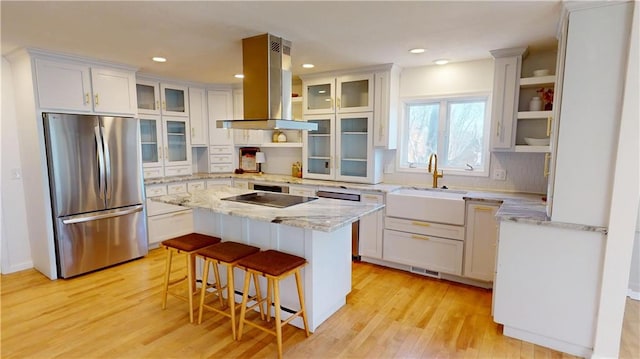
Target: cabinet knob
(415, 236)
(86, 98)
(97, 100)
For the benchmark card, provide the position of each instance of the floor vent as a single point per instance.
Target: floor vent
(425, 272)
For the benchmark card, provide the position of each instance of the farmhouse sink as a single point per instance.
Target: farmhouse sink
(440, 206)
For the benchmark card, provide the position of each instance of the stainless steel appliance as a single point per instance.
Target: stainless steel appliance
(355, 226)
(266, 87)
(270, 199)
(97, 196)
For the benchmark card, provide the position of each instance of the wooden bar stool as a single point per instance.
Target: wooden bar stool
(273, 265)
(227, 254)
(188, 245)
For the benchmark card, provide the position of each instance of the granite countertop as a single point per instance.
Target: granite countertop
(322, 214)
(280, 179)
(514, 207)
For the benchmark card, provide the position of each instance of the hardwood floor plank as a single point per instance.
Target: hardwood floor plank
(116, 313)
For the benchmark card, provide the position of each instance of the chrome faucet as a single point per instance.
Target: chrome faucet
(434, 158)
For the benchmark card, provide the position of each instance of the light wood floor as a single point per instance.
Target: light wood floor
(115, 313)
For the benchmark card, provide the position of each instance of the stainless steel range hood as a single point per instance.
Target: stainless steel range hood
(266, 65)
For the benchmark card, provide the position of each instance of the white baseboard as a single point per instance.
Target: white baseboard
(559, 345)
(635, 295)
(19, 267)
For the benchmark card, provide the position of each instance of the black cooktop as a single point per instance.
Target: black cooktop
(270, 199)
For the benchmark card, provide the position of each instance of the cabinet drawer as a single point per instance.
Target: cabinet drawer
(153, 191)
(170, 225)
(177, 171)
(433, 253)
(221, 150)
(425, 228)
(221, 168)
(219, 183)
(152, 172)
(372, 198)
(227, 159)
(303, 191)
(176, 188)
(194, 186)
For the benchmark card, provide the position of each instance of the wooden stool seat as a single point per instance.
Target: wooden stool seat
(227, 254)
(275, 266)
(188, 245)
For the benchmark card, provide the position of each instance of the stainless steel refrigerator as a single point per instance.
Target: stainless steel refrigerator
(97, 195)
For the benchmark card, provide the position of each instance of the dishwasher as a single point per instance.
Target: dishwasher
(346, 195)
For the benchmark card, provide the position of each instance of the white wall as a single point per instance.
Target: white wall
(634, 273)
(16, 251)
(524, 170)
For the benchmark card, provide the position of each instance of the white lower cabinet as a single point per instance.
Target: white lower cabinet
(371, 228)
(219, 182)
(165, 221)
(480, 241)
(426, 252)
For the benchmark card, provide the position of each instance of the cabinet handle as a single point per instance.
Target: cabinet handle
(424, 238)
(370, 197)
(164, 105)
(338, 102)
(157, 105)
(86, 98)
(166, 152)
(97, 100)
(422, 224)
(498, 129)
(483, 209)
(548, 126)
(547, 157)
(192, 132)
(159, 153)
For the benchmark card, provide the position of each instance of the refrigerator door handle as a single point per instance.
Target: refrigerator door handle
(101, 164)
(109, 214)
(107, 166)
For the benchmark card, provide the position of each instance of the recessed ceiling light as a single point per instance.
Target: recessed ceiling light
(238, 76)
(158, 59)
(441, 62)
(417, 50)
(308, 66)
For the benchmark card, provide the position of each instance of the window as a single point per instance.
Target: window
(455, 128)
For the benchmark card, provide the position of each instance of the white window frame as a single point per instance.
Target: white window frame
(402, 166)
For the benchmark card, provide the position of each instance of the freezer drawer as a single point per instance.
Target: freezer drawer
(99, 239)
(433, 253)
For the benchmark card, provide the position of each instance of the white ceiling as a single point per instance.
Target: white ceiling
(202, 39)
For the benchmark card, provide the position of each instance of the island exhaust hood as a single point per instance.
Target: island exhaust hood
(266, 65)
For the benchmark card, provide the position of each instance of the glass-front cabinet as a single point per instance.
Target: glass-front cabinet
(165, 146)
(340, 149)
(354, 143)
(319, 148)
(353, 93)
(151, 141)
(148, 93)
(174, 100)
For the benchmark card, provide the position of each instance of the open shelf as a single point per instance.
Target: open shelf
(533, 149)
(527, 82)
(523, 115)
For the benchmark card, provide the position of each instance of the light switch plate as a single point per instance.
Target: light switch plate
(500, 174)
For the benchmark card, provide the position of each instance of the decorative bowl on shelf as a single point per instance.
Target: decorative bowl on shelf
(541, 72)
(537, 141)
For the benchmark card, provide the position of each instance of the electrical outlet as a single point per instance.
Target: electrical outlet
(500, 174)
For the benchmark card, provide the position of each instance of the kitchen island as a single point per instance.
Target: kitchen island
(318, 230)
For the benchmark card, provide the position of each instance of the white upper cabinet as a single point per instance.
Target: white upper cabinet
(148, 93)
(198, 116)
(220, 104)
(505, 97)
(79, 87)
(174, 99)
(385, 108)
(343, 94)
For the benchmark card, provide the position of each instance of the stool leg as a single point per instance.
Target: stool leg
(256, 283)
(276, 295)
(167, 273)
(203, 292)
(190, 283)
(218, 286)
(245, 297)
(269, 299)
(301, 299)
(231, 300)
